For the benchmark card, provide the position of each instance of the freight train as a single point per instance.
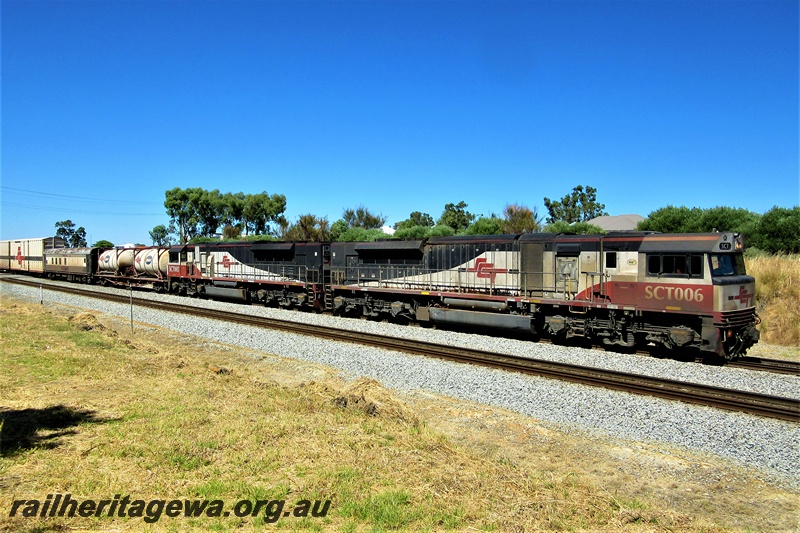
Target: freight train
(674, 292)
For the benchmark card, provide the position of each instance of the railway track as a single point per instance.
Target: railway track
(746, 402)
(776, 366)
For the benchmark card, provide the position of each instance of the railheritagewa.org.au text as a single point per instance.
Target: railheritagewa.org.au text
(64, 505)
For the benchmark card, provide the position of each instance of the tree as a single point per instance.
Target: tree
(233, 210)
(309, 228)
(261, 209)
(209, 208)
(456, 216)
(779, 231)
(729, 219)
(231, 232)
(79, 238)
(416, 218)
(65, 230)
(160, 236)
(283, 226)
(683, 219)
(361, 217)
(672, 219)
(75, 238)
(579, 206)
(178, 204)
(198, 212)
(520, 219)
(102, 243)
(337, 229)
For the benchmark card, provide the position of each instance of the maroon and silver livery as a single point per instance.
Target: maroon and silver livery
(626, 288)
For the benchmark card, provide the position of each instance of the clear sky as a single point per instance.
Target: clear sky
(399, 106)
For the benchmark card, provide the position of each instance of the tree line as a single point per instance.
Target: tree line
(196, 215)
(776, 231)
(196, 212)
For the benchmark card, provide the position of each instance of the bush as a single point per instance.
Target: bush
(201, 239)
(441, 231)
(257, 238)
(673, 219)
(485, 226)
(362, 235)
(777, 292)
(579, 228)
(414, 232)
(776, 231)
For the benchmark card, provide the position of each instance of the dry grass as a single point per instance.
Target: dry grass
(88, 410)
(777, 297)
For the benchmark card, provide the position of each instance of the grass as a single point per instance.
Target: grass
(91, 411)
(777, 297)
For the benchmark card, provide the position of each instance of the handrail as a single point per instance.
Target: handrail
(412, 277)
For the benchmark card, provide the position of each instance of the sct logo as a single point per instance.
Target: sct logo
(686, 294)
(744, 296)
(485, 270)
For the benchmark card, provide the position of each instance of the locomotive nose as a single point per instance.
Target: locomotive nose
(738, 296)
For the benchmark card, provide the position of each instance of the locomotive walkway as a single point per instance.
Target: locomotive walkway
(746, 402)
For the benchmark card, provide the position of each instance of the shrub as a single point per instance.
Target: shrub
(779, 231)
(777, 293)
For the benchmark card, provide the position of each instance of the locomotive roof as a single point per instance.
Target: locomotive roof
(692, 242)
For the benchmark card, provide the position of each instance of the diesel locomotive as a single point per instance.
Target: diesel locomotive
(630, 289)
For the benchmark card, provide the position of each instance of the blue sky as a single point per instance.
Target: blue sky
(397, 106)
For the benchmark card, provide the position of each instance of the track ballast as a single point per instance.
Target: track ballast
(746, 402)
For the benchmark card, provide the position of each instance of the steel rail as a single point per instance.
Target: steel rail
(787, 409)
(776, 366)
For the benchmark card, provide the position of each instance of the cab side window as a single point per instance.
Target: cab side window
(675, 265)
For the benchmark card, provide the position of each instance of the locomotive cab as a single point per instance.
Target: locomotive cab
(734, 312)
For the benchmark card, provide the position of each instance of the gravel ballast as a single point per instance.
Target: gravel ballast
(771, 446)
